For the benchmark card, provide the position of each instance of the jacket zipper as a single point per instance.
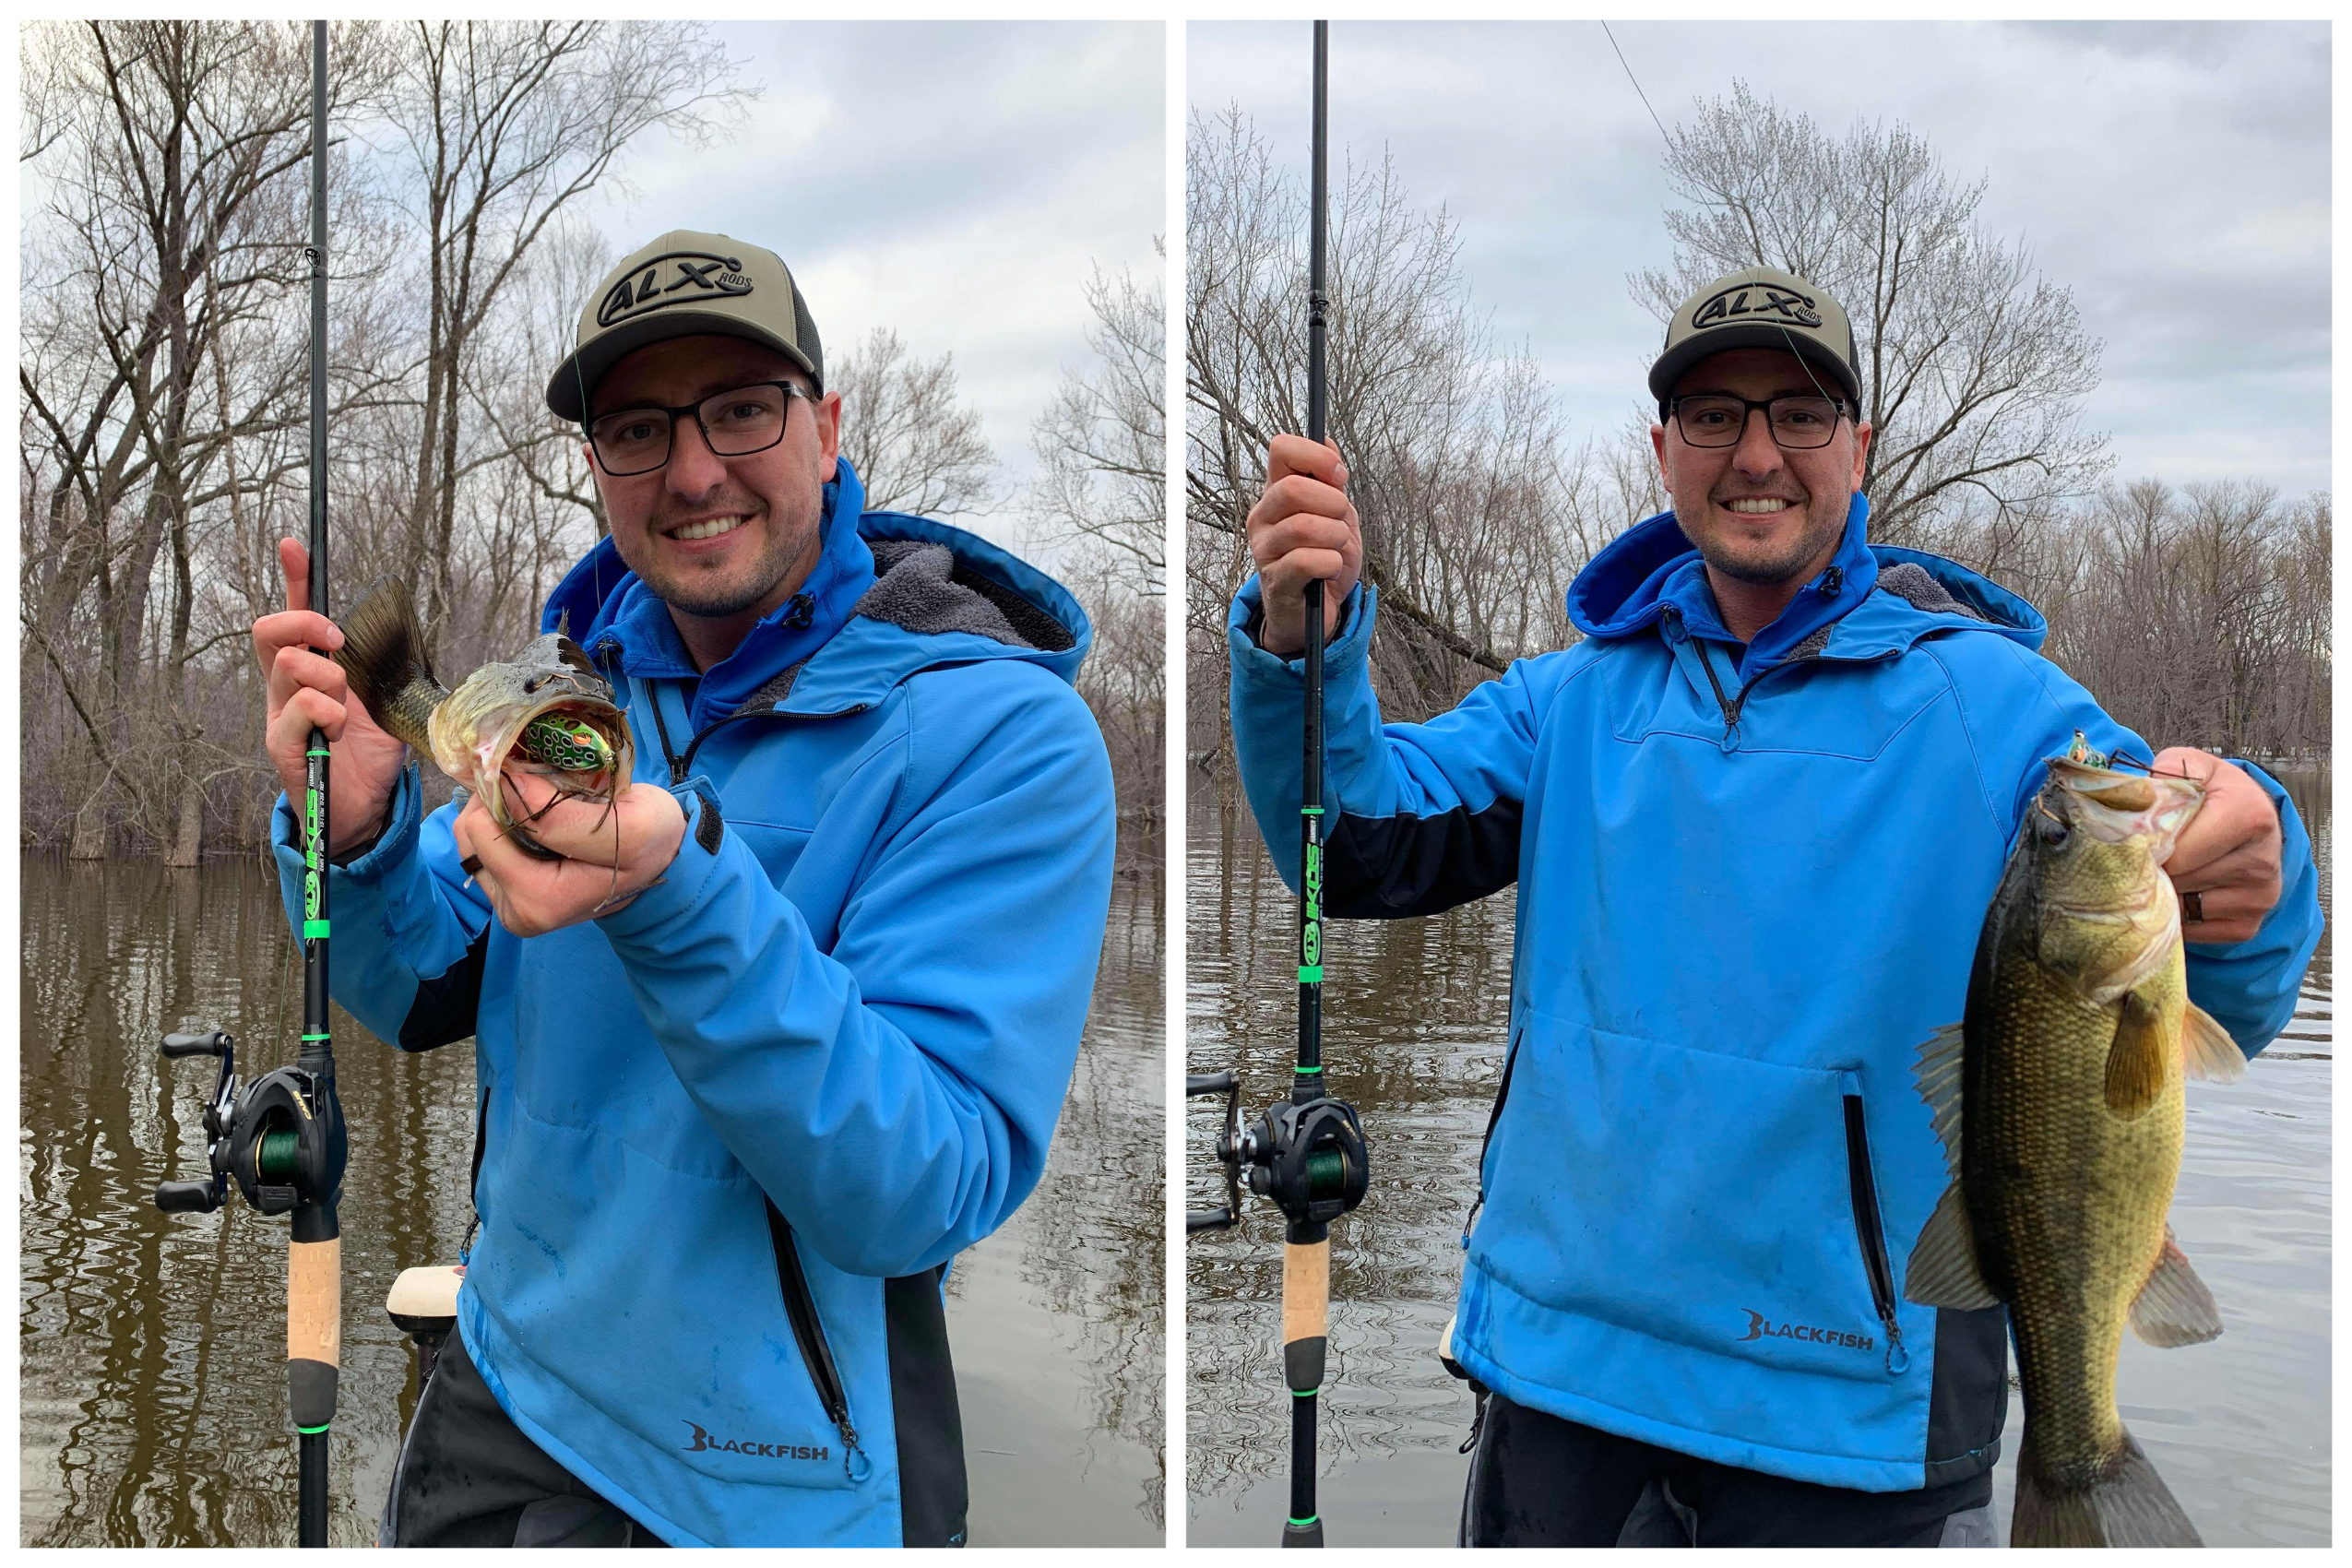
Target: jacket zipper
(473, 1179)
(1832, 580)
(1503, 1090)
(793, 1280)
(808, 1333)
(1868, 1231)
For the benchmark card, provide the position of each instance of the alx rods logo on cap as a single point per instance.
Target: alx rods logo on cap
(1752, 301)
(658, 282)
(702, 1440)
(1763, 1327)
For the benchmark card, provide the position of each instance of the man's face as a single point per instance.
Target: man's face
(752, 520)
(1759, 514)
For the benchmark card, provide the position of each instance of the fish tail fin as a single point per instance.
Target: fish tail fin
(2128, 1504)
(382, 654)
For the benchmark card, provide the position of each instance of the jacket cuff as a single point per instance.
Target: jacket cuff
(677, 895)
(2258, 981)
(1350, 643)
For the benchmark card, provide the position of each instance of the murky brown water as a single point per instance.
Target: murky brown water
(152, 1387)
(1415, 1013)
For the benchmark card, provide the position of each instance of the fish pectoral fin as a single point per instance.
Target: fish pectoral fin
(1937, 1073)
(2207, 1049)
(2137, 1059)
(1944, 1271)
(2174, 1307)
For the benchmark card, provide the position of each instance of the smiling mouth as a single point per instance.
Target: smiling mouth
(1758, 506)
(710, 528)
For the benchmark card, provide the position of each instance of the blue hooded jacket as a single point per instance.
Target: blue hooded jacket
(1751, 879)
(733, 1133)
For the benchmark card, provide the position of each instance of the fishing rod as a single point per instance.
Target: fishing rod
(281, 1137)
(1307, 1154)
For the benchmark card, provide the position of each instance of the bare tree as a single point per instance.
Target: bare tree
(507, 126)
(1974, 366)
(2199, 617)
(534, 327)
(1101, 491)
(917, 448)
(1102, 442)
(163, 366)
(169, 153)
(1461, 467)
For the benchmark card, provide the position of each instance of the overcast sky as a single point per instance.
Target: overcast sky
(954, 182)
(2174, 176)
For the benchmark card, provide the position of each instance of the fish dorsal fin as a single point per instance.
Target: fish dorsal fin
(2173, 1306)
(2138, 1057)
(1938, 1076)
(2207, 1049)
(1944, 1271)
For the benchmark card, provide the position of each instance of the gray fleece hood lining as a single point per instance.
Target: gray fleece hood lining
(1913, 583)
(1908, 581)
(920, 585)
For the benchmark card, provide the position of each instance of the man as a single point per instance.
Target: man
(755, 1067)
(1755, 818)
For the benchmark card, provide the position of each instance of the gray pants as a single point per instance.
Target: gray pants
(1539, 1480)
(469, 1477)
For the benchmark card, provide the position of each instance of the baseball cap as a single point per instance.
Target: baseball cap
(1759, 307)
(683, 283)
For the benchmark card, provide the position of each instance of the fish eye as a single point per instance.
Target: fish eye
(2052, 831)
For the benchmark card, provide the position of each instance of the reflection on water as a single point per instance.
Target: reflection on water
(1414, 1013)
(152, 1384)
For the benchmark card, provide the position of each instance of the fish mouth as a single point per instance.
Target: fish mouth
(478, 732)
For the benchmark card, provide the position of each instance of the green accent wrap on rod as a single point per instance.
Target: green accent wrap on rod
(1309, 811)
(315, 929)
(1311, 975)
(319, 1037)
(1306, 1069)
(321, 752)
(310, 1432)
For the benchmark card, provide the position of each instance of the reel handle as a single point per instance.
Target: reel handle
(1228, 1084)
(210, 1043)
(186, 1197)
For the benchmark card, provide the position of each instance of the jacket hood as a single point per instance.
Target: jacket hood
(892, 595)
(1872, 599)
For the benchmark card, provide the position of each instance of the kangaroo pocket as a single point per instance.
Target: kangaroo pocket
(1701, 1198)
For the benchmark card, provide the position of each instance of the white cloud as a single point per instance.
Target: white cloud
(2174, 176)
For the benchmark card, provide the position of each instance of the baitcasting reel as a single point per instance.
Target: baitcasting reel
(269, 1134)
(1307, 1156)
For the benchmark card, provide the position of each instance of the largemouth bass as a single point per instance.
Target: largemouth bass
(545, 712)
(2059, 1099)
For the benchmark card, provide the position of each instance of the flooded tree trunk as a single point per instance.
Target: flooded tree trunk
(189, 843)
(89, 831)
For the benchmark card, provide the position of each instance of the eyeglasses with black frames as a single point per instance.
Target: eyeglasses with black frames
(1718, 419)
(735, 424)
